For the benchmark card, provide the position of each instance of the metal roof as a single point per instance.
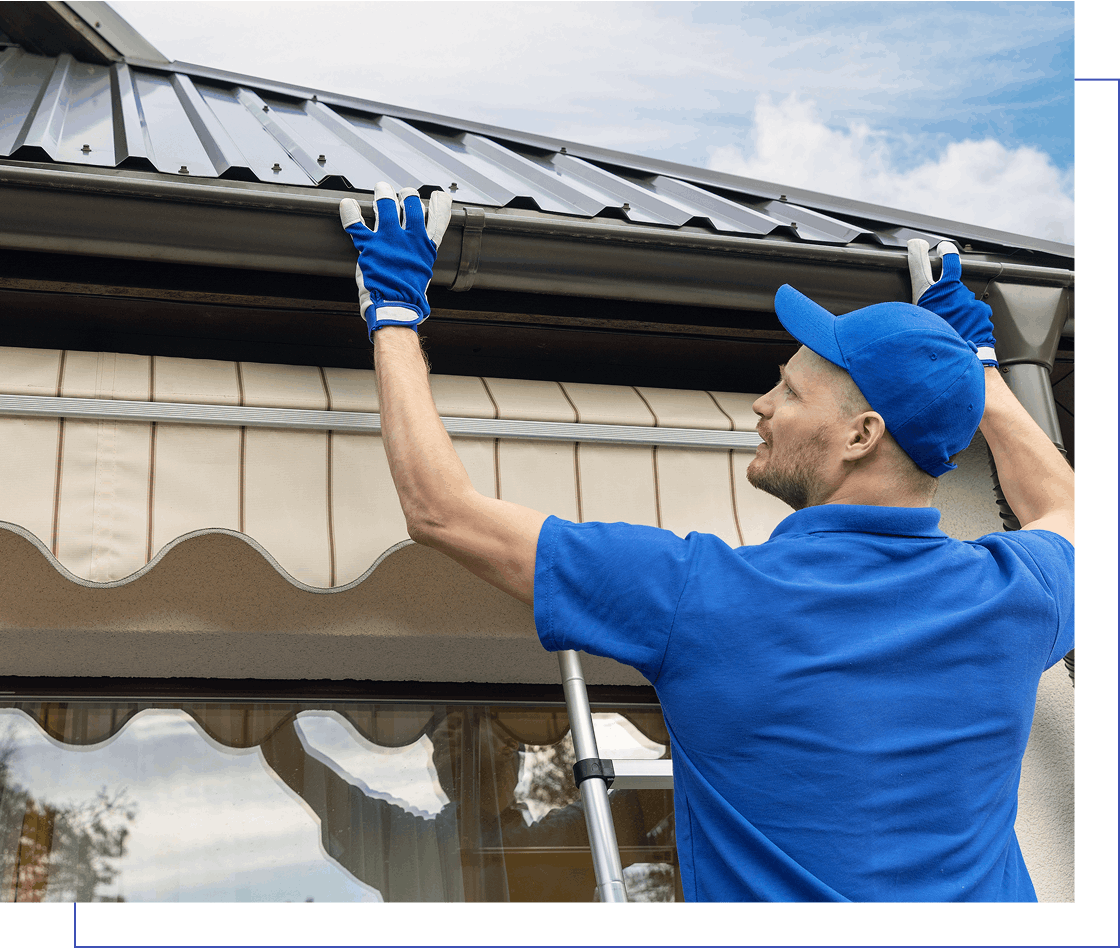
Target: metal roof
(195, 123)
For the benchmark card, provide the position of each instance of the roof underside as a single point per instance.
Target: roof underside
(194, 123)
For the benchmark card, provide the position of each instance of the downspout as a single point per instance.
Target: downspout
(1028, 324)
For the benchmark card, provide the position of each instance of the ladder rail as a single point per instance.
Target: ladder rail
(593, 789)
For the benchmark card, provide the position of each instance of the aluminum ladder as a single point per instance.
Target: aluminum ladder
(595, 775)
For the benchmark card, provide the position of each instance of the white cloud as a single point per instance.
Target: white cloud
(977, 182)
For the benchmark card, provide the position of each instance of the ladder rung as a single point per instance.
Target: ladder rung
(642, 775)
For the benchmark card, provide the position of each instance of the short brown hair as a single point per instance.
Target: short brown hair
(851, 402)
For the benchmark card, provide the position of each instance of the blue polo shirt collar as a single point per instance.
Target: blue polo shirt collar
(859, 518)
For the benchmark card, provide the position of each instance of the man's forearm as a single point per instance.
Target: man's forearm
(422, 460)
(1035, 478)
(494, 539)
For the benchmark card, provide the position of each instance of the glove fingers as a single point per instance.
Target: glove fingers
(921, 273)
(950, 261)
(439, 215)
(385, 205)
(412, 211)
(350, 213)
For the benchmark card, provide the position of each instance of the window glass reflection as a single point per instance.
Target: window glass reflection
(285, 802)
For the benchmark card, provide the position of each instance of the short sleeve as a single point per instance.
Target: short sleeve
(609, 589)
(1050, 557)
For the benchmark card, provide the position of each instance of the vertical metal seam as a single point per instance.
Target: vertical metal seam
(579, 482)
(240, 455)
(151, 492)
(38, 122)
(497, 442)
(57, 487)
(149, 147)
(490, 395)
(151, 462)
(734, 495)
(58, 462)
(330, 507)
(719, 408)
(575, 455)
(730, 468)
(219, 146)
(330, 483)
(653, 459)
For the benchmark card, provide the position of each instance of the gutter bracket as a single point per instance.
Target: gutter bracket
(471, 251)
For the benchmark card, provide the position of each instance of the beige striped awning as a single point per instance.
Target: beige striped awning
(283, 463)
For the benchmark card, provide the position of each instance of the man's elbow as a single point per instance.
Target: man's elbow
(422, 526)
(432, 521)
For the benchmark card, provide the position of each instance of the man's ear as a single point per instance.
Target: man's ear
(865, 432)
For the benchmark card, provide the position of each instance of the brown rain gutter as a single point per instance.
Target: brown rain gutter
(145, 216)
(148, 217)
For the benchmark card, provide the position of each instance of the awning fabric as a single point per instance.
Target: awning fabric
(116, 504)
(105, 497)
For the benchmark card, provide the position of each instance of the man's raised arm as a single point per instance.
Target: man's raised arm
(1035, 478)
(494, 539)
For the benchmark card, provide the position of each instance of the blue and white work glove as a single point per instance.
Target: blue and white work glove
(949, 298)
(396, 256)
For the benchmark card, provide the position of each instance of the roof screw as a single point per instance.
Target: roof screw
(276, 167)
(563, 149)
(85, 149)
(183, 169)
(968, 247)
(454, 186)
(626, 205)
(322, 159)
(793, 224)
(783, 198)
(266, 108)
(314, 98)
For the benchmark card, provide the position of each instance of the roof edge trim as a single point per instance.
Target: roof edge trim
(651, 166)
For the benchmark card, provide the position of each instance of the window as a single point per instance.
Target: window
(325, 801)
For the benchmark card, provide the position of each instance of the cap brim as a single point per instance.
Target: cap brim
(810, 324)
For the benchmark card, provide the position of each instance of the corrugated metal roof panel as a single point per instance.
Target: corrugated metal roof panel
(724, 214)
(189, 121)
(812, 225)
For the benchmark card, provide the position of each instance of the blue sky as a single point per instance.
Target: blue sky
(940, 108)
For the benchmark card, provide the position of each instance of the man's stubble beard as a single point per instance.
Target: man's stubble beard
(796, 480)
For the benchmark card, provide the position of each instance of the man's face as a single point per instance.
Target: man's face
(800, 425)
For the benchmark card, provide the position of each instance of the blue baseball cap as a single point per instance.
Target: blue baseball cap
(911, 366)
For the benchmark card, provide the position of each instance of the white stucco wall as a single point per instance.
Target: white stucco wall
(1045, 825)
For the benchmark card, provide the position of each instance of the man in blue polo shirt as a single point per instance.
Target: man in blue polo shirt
(848, 702)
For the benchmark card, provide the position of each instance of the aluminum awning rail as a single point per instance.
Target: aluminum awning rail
(105, 409)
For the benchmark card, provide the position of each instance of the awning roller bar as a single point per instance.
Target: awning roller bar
(106, 409)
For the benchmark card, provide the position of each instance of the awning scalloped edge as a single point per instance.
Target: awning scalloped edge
(210, 531)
